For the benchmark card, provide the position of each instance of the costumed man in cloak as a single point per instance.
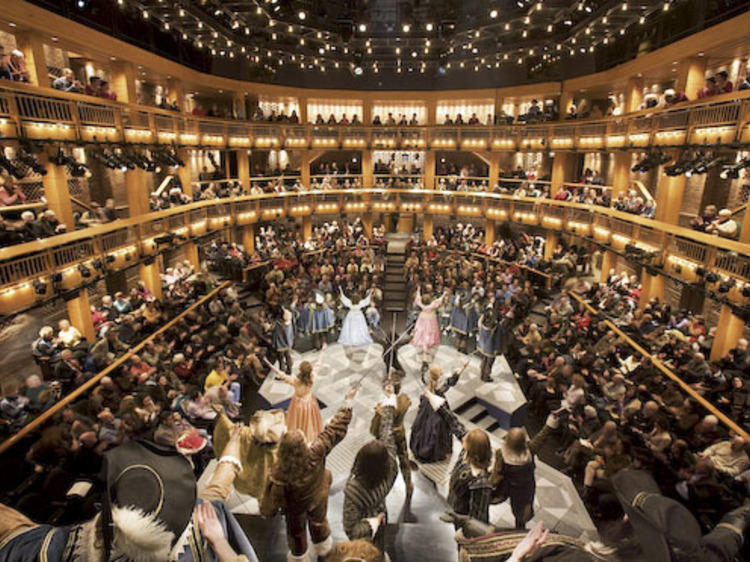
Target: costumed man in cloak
(151, 512)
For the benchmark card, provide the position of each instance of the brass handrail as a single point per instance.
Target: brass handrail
(60, 404)
(726, 420)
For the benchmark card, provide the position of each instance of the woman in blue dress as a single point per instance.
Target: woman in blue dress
(354, 331)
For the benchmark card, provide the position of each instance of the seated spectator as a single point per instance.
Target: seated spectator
(414, 121)
(331, 119)
(723, 84)
(649, 209)
(17, 66)
(11, 193)
(709, 88)
(671, 97)
(702, 221)
(377, 120)
(745, 84)
(67, 82)
(728, 457)
(93, 88)
(5, 73)
(105, 92)
(725, 226)
(14, 408)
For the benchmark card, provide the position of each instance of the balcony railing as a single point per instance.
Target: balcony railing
(54, 261)
(46, 113)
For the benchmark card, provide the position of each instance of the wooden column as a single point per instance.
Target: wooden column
(243, 168)
(248, 238)
(427, 227)
(304, 167)
(494, 158)
(562, 170)
(79, 313)
(652, 286)
(185, 173)
(431, 111)
(406, 223)
(728, 331)
(176, 92)
(692, 76)
(366, 116)
(303, 110)
(123, 81)
(32, 46)
(193, 255)
(367, 224)
(566, 98)
(151, 277)
(550, 243)
(240, 106)
(306, 227)
(745, 230)
(609, 261)
(669, 198)
(138, 191)
(429, 169)
(56, 191)
(621, 174)
(368, 170)
(633, 94)
(489, 232)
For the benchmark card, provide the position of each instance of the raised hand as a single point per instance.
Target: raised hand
(531, 543)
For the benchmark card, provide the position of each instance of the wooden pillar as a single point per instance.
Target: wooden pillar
(728, 331)
(248, 238)
(151, 276)
(431, 110)
(304, 166)
(368, 169)
(366, 116)
(32, 47)
(562, 170)
(427, 227)
(192, 255)
(176, 92)
(56, 191)
(123, 81)
(243, 169)
(494, 169)
(745, 230)
(566, 98)
(138, 191)
(306, 227)
(240, 106)
(692, 76)
(633, 94)
(185, 173)
(79, 313)
(669, 198)
(652, 286)
(621, 174)
(367, 223)
(405, 223)
(609, 261)
(429, 169)
(303, 110)
(489, 232)
(550, 243)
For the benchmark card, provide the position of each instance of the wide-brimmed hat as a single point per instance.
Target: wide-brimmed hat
(660, 524)
(150, 497)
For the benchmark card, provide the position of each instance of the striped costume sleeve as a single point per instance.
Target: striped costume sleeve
(332, 434)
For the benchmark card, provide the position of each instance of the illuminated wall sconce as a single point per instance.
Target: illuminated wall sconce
(639, 139)
(580, 228)
(50, 126)
(588, 142)
(443, 143)
(101, 131)
(469, 210)
(417, 143)
(298, 210)
(354, 142)
(240, 141)
(213, 139)
(619, 241)
(385, 142)
(137, 135)
(503, 143)
(473, 143)
(562, 142)
(495, 213)
(220, 222)
(295, 142)
(526, 217)
(601, 234)
(182, 231)
(616, 141)
(325, 142)
(439, 208)
(683, 267)
(411, 207)
(188, 138)
(167, 137)
(384, 207)
(713, 135)
(355, 207)
(274, 212)
(669, 137)
(198, 227)
(266, 141)
(327, 208)
(552, 222)
(246, 217)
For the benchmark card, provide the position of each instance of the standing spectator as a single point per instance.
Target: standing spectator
(18, 70)
(4, 65)
(93, 87)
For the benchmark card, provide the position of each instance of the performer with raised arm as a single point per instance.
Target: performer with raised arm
(300, 483)
(354, 331)
(304, 411)
(489, 339)
(426, 337)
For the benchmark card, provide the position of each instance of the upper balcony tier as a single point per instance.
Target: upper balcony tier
(44, 113)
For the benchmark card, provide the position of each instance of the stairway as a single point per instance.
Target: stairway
(394, 291)
(473, 411)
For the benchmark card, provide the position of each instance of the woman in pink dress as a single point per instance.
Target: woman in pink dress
(303, 412)
(426, 337)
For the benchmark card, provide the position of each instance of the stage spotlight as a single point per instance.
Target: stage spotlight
(358, 70)
(57, 277)
(84, 271)
(711, 277)
(746, 290)
(40, 287)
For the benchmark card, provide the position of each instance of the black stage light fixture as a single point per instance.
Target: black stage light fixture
(84, 271)
(56, 277)
(746, 290)
(9, 167)
(711, 277)
(40, 287)
(725, 286)
(28, 159)
(700, 271)
(109, 259)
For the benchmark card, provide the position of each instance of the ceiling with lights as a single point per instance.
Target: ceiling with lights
(379, 41)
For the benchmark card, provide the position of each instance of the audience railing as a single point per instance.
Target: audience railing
(683, 253)
(685, 387)
(42, 418)
(44, 113)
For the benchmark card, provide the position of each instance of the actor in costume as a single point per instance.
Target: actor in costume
(151, 513)
(431, 439)
(426, 336)
(354, 331)
(304, 411)
(459, 319)
(373, 474)
(392, 387)
(489, 340)
(322, 320)
(300, 483)
(282, 336)
(259, 442)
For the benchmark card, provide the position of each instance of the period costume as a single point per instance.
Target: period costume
(363, 503)
(282, 338)
(431, 439)
(304, 411)
(148, 514)
(459, 319)
(489, 341)
(403, 402)
(427, 329)
(321, 319)
(258, 445)
(305, 503)
(354, 331)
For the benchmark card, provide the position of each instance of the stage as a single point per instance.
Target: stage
(557, 502)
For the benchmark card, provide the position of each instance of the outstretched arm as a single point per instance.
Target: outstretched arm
(344, 299)
(440, 405)
(281, 375)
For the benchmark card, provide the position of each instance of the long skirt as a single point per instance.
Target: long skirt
(304, 414)
(431, 439)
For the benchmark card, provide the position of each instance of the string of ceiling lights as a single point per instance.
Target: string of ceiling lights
(417, 48)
